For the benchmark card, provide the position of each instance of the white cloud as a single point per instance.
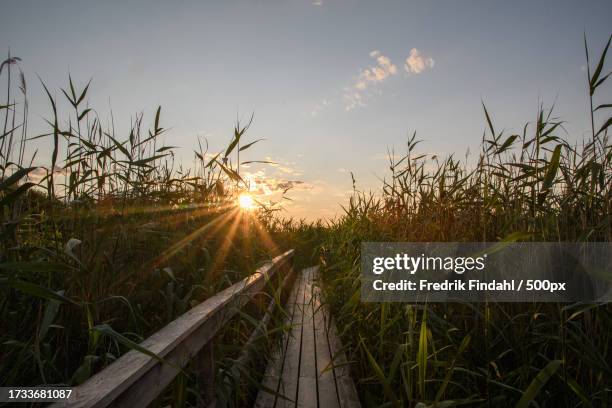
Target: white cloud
(320, 107)
(417, 62)
(378, 73)
(271, 180)
(353, 100)
(317, 3)
(366, 83)
(384, 68)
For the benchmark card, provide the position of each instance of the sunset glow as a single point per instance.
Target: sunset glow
(246, 202)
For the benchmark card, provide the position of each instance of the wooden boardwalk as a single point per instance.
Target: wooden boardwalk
(301, 371)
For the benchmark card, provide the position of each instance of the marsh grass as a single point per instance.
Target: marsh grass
(531, 186)
(112, 238)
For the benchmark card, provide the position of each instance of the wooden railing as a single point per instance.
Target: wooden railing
(136, 379)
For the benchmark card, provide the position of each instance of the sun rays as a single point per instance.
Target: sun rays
(224, 224)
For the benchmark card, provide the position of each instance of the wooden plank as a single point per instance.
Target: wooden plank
(326, 383)
(307, 387)
(312, 348)
(291, 363)
(136, 379)
(274, 369)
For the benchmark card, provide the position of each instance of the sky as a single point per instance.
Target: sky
(332, 84)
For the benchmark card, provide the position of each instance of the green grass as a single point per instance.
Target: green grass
(117, 241)
(532, 186)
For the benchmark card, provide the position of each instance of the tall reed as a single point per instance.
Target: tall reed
(107, 237)
(530, 186)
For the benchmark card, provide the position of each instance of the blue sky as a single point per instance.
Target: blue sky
(301, 66)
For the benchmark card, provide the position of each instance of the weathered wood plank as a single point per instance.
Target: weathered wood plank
(136, 379)
(347, 393)
(274, 369)
(307, 386)
(291, 363)
(314, 369)
(326, 383)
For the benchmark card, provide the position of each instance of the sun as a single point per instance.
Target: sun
(246, 202)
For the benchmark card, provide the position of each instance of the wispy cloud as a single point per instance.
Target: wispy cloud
(265, 186)
(283, 166)
(319, 107)
(416, 62)
(272, 180)
(353, 100)
(384, 68)
(367, 83)
(378, 73)
(317, 2)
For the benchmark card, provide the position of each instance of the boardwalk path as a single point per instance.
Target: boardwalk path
(301, 369)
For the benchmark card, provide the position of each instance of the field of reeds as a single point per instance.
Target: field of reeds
(112, 238)
(532, 186)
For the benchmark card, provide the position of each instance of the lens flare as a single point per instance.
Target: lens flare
(246, 202)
